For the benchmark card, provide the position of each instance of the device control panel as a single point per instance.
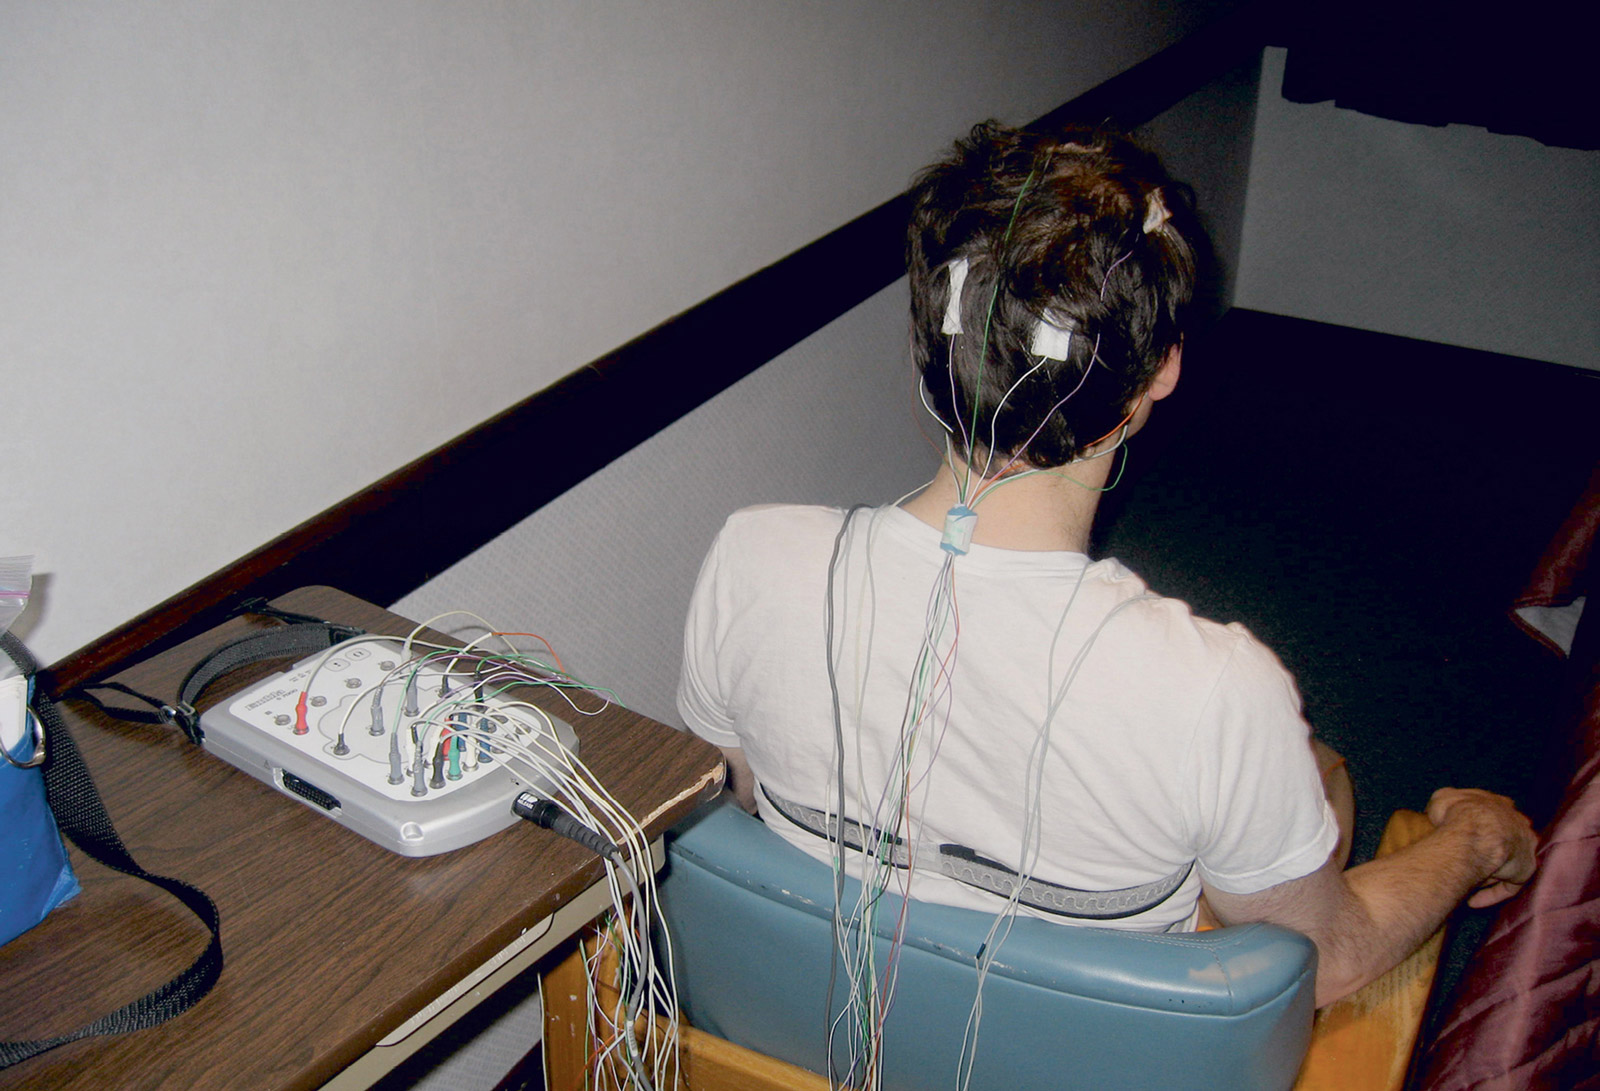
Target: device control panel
(421, 755)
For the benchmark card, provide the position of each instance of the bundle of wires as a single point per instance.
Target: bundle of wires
(474, 716)
(889, 828)
(886, 833)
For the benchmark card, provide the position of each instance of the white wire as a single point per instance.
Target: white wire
(926, 718)
(893, 812)
(1028, 855)
(489, 630)
(882, 815)
(994, 420)
(559, 681)
(528, 739)
(922, 396)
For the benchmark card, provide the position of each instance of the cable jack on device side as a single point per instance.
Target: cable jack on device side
(547, 813)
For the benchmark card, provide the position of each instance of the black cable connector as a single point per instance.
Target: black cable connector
(547, 813)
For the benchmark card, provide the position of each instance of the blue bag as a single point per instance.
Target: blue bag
(38, 790)
(37, 876)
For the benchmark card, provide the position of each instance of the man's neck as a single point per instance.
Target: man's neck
(1053, 510)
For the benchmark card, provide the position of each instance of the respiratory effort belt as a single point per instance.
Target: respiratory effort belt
(972, 868)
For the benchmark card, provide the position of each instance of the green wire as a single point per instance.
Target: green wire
(988, 317)
(1122, 466)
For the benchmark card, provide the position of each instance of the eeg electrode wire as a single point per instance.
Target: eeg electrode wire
(476, 720)
(891, 824)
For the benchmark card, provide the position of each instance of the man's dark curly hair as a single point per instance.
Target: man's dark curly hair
(1050, 224)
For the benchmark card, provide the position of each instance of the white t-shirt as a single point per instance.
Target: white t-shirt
(1175, 739)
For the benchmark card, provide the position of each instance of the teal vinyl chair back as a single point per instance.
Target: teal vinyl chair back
(1064, 1006)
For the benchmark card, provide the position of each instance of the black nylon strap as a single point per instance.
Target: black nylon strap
(81, 815)
(302, 637)
(121, 712)
(297, 641)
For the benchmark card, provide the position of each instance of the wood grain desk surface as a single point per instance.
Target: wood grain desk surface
(329, 941)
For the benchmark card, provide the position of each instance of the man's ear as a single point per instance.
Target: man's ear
(1167, 378)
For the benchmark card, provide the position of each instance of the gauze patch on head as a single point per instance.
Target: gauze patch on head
(1052, 338)
(1155, 212)
(952, 309)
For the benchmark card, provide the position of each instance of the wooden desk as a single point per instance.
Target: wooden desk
(330, 942)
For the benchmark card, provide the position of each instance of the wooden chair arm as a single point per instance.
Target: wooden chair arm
(1365, 1041)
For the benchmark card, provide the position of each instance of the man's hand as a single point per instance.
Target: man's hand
(1502, 837)
(1367, 919)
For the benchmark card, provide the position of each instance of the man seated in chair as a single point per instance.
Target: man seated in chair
(951, 683)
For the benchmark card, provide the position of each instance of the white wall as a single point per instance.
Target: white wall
(255, 255)
(1453, 234)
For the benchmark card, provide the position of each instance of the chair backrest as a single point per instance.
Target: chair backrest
(750, 918)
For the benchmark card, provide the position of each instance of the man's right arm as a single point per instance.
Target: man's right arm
(1366, 920)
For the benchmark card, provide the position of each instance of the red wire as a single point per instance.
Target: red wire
(542, 640)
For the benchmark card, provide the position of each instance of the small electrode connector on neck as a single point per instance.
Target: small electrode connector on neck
(959, 523)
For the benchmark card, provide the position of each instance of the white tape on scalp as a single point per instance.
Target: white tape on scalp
(952, 309)
(1155, 213)
(1052, 341)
